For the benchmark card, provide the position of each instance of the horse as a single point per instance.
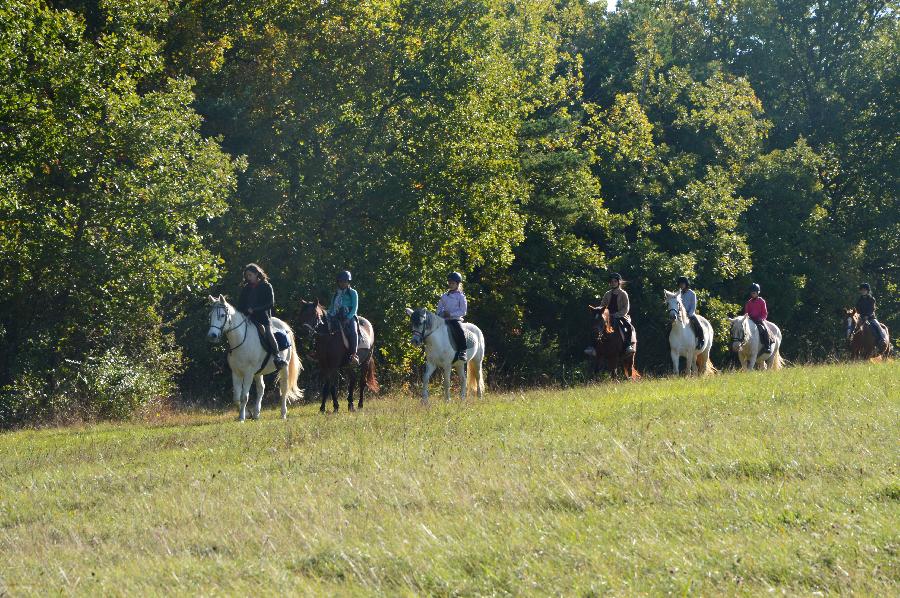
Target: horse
(247, 355)
(332, 356)
(860, 338)
(683, 340)
(608, 347)
(745, 342)
(430, 329)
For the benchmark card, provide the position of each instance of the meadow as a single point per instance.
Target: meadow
(736, 484)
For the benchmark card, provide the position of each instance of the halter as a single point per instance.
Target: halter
(224, 332)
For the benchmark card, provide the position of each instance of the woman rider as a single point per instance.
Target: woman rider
(865, 307)
(344, 307)
(616, 299)
(689, 300)
(758, 311)
(256, 302)
(452, 307)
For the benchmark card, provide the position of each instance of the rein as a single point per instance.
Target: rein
(422, 334)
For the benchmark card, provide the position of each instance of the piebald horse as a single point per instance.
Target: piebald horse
(745, 342)
(246, 355)
(683, 340)
(431, 330)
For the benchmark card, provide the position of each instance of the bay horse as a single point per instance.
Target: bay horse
(246, 354)
(860, 338)
(332, 356)
(608, 348)
(745, 342)
(683, 341)
(431, 330)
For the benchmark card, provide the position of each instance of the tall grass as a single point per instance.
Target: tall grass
(741, 483)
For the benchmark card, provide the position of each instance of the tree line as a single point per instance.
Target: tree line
(149, 149)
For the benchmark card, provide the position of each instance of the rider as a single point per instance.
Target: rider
(865, 307)
(758, 312)
(256, 302)
(452, 307)
(689, 300)
(616, 299)
(343, 309)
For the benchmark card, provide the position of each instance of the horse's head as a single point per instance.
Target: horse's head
(673, 302)
(601, 323)
(740, 332)
(220, 313)
(421, 323)
(851, 320)
(312, 315)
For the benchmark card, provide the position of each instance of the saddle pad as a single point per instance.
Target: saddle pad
(282, 339)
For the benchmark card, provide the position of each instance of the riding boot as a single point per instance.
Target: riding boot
(459, 339)
(352, 332)
(698, 332)
(273, 346)
(629, 337)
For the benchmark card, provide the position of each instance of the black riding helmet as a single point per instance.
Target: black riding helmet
(344, 276)
(683, 280)
(454, 277)
(755, 287)
(615, 276)
(865, 286)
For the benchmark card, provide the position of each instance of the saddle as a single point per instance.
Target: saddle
(365, 343)
(281, 338)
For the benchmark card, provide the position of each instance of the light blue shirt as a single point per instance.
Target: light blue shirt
(346, 301)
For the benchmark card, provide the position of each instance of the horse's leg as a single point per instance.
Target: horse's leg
(429, 370)
(237, 383)
(675, 361)
(461, 370)
(246, 382)
(335, 381)
(324, 380)
(351, 386)
(363, 376)
(260, 390)
(447, 371)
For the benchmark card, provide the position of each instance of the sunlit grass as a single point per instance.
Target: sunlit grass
(736, 484)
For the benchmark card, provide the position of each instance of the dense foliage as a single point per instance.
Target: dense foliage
(149, 149)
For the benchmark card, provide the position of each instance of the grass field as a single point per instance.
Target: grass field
(739, 484)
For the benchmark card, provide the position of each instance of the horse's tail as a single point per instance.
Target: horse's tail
(294, 368)
(475, 372)
(371, 381)
(777, 361)
(705, 365)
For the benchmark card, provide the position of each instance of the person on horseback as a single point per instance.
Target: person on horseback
(865, 307)
(616, 300)
(343, 311)
(452, 307)
(256, 301)
(689, 300)
(757, 310)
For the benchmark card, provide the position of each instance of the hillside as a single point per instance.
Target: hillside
(736, 484)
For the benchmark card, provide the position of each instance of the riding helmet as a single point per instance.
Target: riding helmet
(865, 286)
(454, 277)
(755, 287)
(684, 280)
(615, 276)
(344, 276)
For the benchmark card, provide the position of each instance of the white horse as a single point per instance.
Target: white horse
(430, 329)
(683, 341)
(746, 343)
(246, 354)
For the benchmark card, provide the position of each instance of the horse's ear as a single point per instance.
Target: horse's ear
(222, 298)
(409, 312)
(212, 299)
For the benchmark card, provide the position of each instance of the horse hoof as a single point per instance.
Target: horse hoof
(351, 409)
(322, 410)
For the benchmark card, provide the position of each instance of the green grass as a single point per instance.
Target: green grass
(738, 484)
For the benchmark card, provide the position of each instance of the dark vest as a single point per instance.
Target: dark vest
(613, 303)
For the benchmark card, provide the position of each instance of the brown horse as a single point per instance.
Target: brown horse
(608, 346)
(860, 338)
(332, 356)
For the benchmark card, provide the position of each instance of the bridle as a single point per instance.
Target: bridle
(422, 334)
(320, 321)
(225, 332)
(676, 311)
(742, 339)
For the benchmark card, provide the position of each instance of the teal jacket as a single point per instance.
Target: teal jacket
(345, 302)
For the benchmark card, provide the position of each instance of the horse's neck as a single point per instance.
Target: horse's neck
(235, 330)
(435, 323)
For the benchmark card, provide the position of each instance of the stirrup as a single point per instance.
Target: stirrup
(460, 356)
(354, 359)
(630, 349)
